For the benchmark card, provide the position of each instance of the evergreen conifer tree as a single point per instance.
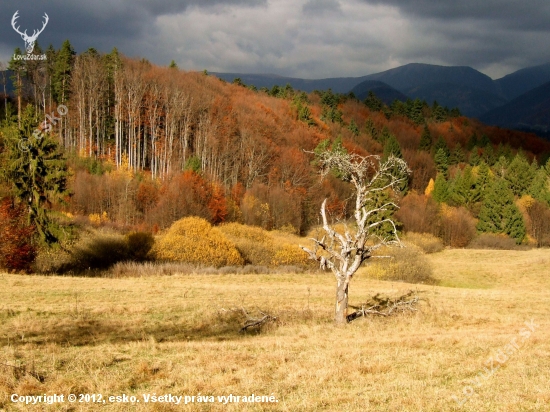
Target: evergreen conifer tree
(371, 129)
(425, 139)
(62, 72)
(392, 147)
(474, 157)
(463, 190)
(373, 102)
(353, 128)
(519, 175)
(441, 162)
(37, 170)
(442, 144)
(472, 142)
(489, 154)
(483, 180)
(499, 213)
(457, 156)
(540, 187)
(441, 189)
(501, 166)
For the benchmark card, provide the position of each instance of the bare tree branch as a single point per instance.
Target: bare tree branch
(344, 253)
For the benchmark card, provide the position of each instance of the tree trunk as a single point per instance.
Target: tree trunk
(341, 302)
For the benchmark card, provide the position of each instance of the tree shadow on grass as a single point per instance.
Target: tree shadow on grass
(85, 330)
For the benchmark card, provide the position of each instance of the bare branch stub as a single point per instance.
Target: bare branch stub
(384, 306)
(343, 253)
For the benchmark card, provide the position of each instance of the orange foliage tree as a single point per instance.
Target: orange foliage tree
(17, 251)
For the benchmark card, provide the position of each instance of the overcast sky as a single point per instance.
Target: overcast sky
(297, 38)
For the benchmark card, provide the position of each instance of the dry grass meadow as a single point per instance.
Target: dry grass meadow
(177, 335)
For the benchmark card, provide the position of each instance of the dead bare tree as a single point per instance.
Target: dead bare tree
(344, 253)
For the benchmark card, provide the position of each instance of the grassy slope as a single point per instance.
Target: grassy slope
(170, 335)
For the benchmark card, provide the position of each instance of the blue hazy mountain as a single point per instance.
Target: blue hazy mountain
(383, 91)
(529, 111)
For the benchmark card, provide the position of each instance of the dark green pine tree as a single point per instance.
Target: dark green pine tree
(62, 72)
(370, 128)
(483, 180)
(441, 162)
(373, 102)
(484, 141)
(519, 175)
(540, 186)
(173, 65)
(441, 189)
(472, 142)
(489, 154)
(416, 111)
(383, 136)
(352, 127)
(398, 108)
(37, 170)
(392, 147)
(458, 189)
(442, 144)
(514, 224)
(439, 114)
(504, 150)
(501, 166)
(499, 214)
(457, 156)
(425, 139)
(304, 114)
(382, 201)
(463, 190)
(474, 159)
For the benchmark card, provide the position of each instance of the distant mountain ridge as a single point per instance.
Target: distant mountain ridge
(529, 111)
(474, 93)
(520, 82)
(337, 84)
(383, 91)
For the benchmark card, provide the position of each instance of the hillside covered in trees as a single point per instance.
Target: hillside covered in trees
(145, 146)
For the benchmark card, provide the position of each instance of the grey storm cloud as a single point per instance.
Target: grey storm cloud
(299, 38)
(108, 21)
(318, 7)
(526, 14)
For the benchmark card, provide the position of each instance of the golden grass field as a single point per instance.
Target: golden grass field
(176, 335)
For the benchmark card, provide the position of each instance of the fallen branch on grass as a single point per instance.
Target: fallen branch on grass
(250, 321)
(384, 306)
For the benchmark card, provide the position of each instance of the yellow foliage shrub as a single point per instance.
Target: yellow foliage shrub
(425, 241)
(406, 264)
(255, 244)
(290, 255)
(194, 240)
(95, 219)
(236, 230)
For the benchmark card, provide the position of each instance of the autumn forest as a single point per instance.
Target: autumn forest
(143, 146)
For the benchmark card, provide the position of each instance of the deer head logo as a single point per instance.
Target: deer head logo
(29, 40)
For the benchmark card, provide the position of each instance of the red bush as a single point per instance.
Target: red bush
(17, 252)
